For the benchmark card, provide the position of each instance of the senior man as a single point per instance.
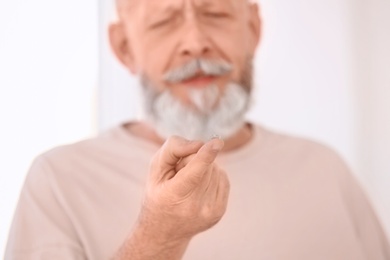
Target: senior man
(220, 188)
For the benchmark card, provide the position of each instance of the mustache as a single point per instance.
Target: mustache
(196, 66)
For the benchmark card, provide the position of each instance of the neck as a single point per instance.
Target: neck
(147, 132)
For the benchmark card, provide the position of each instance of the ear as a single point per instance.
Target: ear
(121, 47)
(255, 25)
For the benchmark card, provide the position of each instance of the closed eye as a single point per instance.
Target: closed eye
(216, 15)
(160, 23)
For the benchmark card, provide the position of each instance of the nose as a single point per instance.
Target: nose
(195, 42)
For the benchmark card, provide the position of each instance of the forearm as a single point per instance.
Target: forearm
(144, 244)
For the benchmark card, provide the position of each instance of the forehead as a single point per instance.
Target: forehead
(159, 5)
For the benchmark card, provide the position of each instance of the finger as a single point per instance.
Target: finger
(191, 176)
(206, 156)
(211, 182)
(176, 148)
(183, 162)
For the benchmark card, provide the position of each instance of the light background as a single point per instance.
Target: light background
(48, 80)
(323, 71)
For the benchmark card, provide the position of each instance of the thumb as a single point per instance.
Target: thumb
(192, 174)
(173, 150)
(207, 154)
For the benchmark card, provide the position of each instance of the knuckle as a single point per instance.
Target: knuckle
(211, 216)
(218, 216)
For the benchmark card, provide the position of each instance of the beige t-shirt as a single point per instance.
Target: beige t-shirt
(290, 199)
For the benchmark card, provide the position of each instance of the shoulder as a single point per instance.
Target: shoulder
(86, 147)
(297, 147)
(317, 163)
(291, 156)
(102, 162)
(63, 158)
(82, 156)
(108, 145)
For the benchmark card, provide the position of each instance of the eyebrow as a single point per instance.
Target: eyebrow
(169, 9)
(163, 11)
(206, 4)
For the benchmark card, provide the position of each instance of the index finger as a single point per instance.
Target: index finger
(192, 174)
(174, 149)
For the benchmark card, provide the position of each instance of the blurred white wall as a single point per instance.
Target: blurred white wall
(322, 72)
(118, 91)
(370, 41)
(48, 76)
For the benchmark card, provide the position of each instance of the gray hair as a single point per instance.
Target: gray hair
(191, 69)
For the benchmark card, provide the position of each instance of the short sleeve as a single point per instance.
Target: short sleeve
(41, 229)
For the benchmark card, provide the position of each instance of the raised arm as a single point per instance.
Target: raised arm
(186, 194)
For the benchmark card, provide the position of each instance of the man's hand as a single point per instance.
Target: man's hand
(186, 194)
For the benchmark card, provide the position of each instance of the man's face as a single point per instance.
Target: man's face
(163, 35)
(194, 59)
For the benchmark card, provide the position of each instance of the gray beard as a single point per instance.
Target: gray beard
(210, 113)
